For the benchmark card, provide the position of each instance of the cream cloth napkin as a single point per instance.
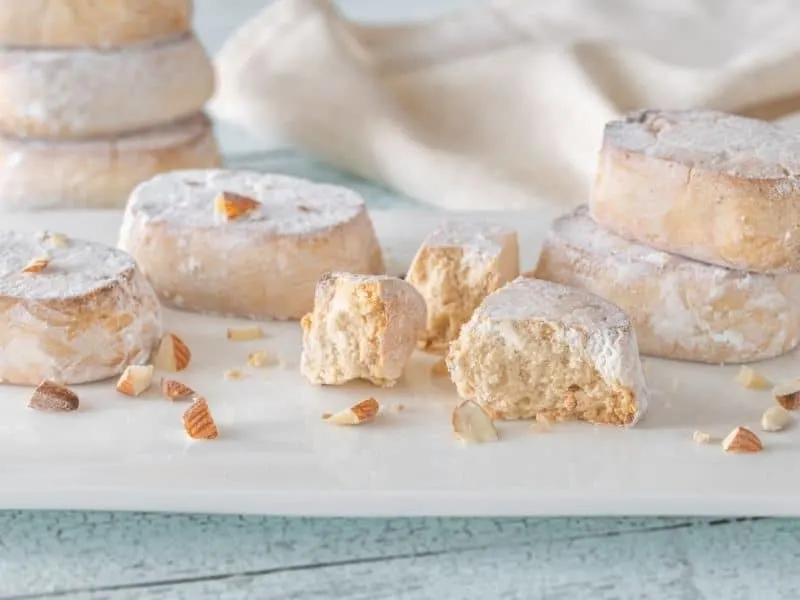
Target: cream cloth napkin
(501, 105)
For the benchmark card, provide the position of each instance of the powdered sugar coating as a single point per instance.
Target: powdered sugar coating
(89, 92)
(100, 172)
(681, 308)
(578, 230)
(586, 322)
(74, 270)
(482, 241)
(712, 141)
(289, 206)
(263, 264)
(526, 298)
(86, 316)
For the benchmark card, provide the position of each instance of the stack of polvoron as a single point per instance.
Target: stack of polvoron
(693, 228)
(96, 97)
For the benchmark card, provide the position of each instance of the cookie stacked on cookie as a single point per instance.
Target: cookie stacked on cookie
(693, 227)
(96, 97)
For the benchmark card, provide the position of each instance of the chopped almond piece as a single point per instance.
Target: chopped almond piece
(752, 379)
(234, 206)
(472, 424)
(359, 413)
(53, 397)
(542, 424)
(701, 437)
(439, 368)
(261, 358)
(742, 440)
(775, 418)
(135, 380)
(175, 390)
(243, 334)
(173, 354)
(198, 422)
(58, 240)
(37, 265)
(787, 394)
(233, 374)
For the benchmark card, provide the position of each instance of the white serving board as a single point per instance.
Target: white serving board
(276, 456)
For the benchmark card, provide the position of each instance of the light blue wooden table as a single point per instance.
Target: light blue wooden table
(114, 556)
(119, 555)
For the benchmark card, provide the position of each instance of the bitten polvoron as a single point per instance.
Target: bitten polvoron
(539, 348)
(458, 265)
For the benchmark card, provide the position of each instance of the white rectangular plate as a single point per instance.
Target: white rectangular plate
(276, 456)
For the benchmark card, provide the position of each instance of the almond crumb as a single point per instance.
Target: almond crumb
(397, 407)
(234, 206)
(701, 437)
(439, 368)
(542, 424)
(742, 440)
(57, 240)
(787, 394)
(53, 397)
(359, 413)
(135, 380)
(175, 390)
(37, 265)
(775, 418)
(472, 424)
(261, 358)
(173, 354)
(233, 374)
(752, 379)
(198, 422)
(243, 334)
(326, 416)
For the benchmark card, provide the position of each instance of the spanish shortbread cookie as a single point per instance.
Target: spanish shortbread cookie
(706, 185)
(540, 348)
(102, 172)
(101, 24)
(681, 308)
(458, 265)
(82, 93)
(244, 243)
(71, 311)
(362, 327)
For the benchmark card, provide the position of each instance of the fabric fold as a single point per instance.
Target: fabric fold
(501, 105)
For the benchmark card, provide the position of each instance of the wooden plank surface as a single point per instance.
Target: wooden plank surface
(116, 555)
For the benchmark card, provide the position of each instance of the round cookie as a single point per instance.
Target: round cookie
(87, 92)
(99, 173)
(107, 23)
(706, 185)
(262, 264)
(681, 308)
(83, 316)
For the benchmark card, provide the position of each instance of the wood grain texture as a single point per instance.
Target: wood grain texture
(117, 555)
